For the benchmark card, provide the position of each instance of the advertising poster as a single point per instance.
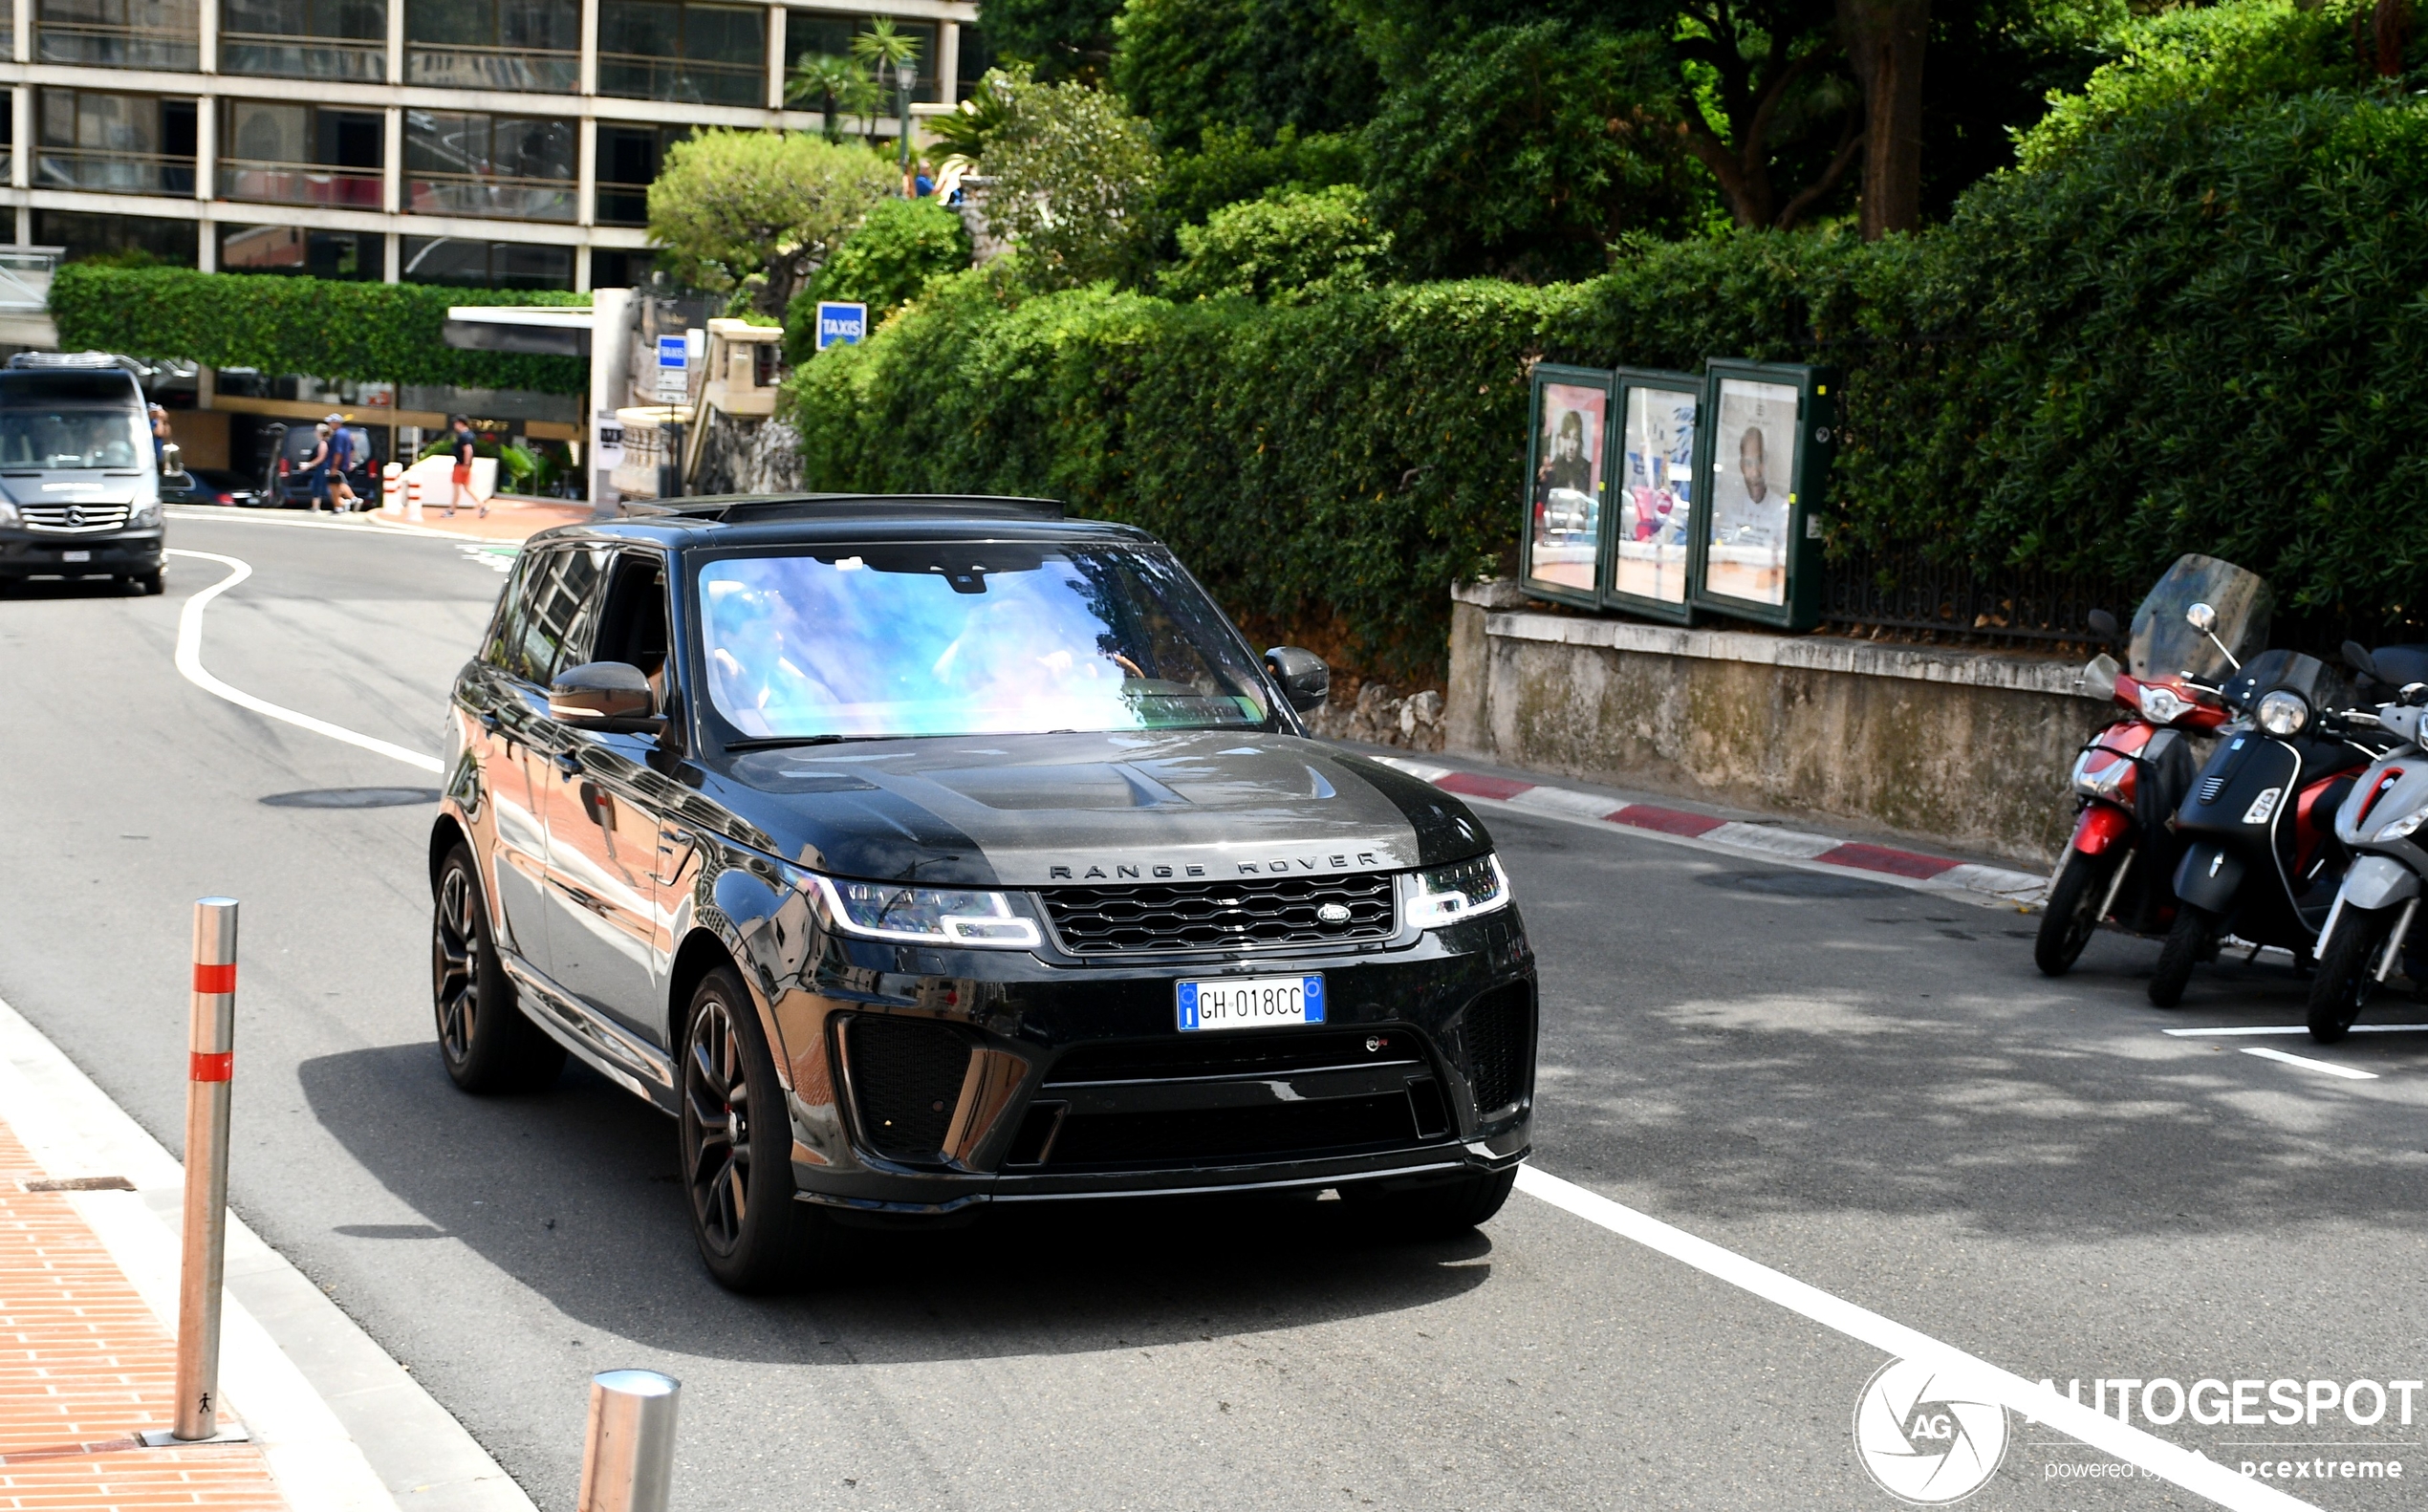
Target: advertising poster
(1564, 515)
(1755, 442)
(1656, 495)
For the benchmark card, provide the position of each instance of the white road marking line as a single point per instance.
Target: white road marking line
(2151, 1454)
(2304, 1062)
(189, 662)
(2297, 1029)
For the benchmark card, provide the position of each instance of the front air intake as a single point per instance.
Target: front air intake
(905, 1077)
(1498, 1030)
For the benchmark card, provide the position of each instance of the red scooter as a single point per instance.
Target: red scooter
(2133, 775)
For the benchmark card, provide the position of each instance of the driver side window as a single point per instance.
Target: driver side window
(631, 622)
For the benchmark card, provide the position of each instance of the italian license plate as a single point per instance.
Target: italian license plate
(1250, 1002)
(75, 556)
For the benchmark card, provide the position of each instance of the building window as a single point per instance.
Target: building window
(119, 238)
(305, 39)
(628, 160)
(712, 55)
(460, 163)
(114, 144)
(977, 56)
(119, 34)
(615, 267)
(810, 33)
(299, 154)
(485, 265)
(530, 45)
(354, 256)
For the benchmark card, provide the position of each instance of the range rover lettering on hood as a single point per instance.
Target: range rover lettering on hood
(1182, 871)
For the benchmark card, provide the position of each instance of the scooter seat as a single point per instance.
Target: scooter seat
(2399, 666)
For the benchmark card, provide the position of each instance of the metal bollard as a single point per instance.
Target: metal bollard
(628, 1464)
(211, 1063)
(392, 490)
(413, 499)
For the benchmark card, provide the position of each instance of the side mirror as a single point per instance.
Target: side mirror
(2414, 695)
(173, 464)
(2103, 625)
(603, 696)
(2357, 658)
(1306, 681)
(2200, 618)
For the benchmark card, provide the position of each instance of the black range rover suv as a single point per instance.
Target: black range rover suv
(922, 853)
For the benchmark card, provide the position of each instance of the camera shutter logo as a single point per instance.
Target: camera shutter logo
(1927, 1435)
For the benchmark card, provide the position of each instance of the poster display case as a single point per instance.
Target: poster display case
(1767, 430)
(1568, 481)
(1648, 553)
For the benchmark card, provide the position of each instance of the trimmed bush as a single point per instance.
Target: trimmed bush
(1288, 249)
(325, 328)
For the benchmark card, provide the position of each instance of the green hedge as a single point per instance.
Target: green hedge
(323, 328)
(2201, 330)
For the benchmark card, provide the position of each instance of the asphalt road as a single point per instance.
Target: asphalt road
(1866, 1087)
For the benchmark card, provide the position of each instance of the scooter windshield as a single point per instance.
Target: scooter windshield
(2165, 645)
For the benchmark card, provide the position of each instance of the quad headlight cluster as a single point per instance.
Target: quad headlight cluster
(1444, 894)
(929, 916)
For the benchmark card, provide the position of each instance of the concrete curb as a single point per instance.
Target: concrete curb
(343, 1426)
(1990, 886)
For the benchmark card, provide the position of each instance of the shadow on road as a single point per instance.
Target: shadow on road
(573, 1192)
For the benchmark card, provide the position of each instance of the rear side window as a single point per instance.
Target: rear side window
(514, 606)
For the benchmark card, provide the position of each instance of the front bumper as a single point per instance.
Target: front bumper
(959, 1077)
(28, 554)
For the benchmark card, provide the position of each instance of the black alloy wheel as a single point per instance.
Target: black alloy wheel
(484, 1042)
(2347, 976)
(2072, 914)
(736, 1142)
(2192, 940)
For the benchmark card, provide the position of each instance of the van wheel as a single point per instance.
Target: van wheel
(736, 1141)
(2192, 940)
(148, 583)
(484, 1042)
(1442, 1210)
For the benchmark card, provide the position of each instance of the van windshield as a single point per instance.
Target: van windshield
(68, 438)
(967, 639)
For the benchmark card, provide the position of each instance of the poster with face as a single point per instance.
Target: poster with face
(1756, 441)
(1565, 518)
(1656, 496)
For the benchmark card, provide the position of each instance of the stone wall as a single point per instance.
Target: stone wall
(1970, 747)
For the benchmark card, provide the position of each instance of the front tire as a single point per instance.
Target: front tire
(736, 1141)
(2347, 976)
(149, 584)
(2192, 940)
(484, 1042)
(2072, 915)
(1442, 1209)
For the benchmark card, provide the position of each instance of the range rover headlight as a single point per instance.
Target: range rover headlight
(928, 916)
(2284, 714)
(1444, 894)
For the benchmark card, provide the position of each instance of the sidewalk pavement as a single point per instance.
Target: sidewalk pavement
(511, 518)
(1972, 881)
(90, 1207)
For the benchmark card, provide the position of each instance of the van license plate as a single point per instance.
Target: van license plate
(1250, 1002)
(75, 556)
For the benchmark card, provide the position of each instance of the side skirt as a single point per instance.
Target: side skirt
(614, 1052)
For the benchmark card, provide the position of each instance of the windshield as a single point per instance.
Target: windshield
(72, 437)
(2164, 645)
(966, 638)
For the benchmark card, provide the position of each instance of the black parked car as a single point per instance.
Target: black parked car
(211, 486)
(916, 853)
(287, 485)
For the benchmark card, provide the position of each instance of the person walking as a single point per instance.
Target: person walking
(343, 499)
(158, 414)
(463, 444)
(316, 467)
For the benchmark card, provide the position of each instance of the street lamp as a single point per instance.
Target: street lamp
(906, 77)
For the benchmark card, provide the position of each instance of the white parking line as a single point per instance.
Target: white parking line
(2296, 1028)
(189, 662)
(2303, 1061)
(2152, 1455)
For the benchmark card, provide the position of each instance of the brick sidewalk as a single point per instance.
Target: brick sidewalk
(85, 1365)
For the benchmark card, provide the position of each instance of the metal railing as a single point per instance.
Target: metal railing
(428, 193)
(1904, 590)
(297, 184)
(107, 172)
(633, 76)
(96, 45)
(262, 54)
(538, 70)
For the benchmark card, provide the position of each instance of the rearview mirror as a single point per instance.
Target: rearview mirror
(1306, 681)
(603, 696)
(2200, 618)
(2103, 625)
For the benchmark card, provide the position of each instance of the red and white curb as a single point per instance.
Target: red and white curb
(1991, 886)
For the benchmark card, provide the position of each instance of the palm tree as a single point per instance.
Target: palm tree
(837, 83)
(878, 49)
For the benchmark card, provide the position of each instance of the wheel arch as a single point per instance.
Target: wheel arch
(447, 832)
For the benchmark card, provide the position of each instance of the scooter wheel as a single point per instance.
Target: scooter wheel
(2192, 940)
(2347, 973)
(2072, 914)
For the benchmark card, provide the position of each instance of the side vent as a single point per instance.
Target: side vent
(905, 1078)
(1499, 1037)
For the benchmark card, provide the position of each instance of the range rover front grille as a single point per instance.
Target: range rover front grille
(905, 1077)
(74, 519)
(1252, 913)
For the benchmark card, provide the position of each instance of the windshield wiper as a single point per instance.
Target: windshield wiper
(770, 742)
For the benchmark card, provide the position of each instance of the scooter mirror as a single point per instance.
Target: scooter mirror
(2102, 623)
(2414, 694)
(2200, 618)
(2357, 658)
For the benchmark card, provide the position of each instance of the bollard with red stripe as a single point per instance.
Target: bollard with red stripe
(210, 1064)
